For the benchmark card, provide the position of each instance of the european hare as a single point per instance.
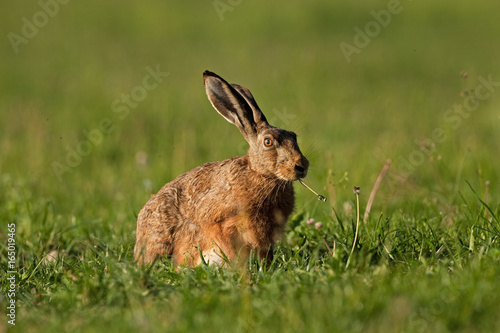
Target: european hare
(226, 209)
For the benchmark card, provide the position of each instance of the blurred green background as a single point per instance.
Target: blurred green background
(350, 117)
(410, 80)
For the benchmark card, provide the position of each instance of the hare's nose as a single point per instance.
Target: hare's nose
(300, 169)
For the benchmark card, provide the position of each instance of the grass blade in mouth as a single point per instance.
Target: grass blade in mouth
(320, 197)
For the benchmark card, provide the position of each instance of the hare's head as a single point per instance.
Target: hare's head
(272, 151)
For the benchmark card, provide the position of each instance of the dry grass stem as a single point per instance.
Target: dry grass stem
(329, 250)
(375, 189)
(356, 192)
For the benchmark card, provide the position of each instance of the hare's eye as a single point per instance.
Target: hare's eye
(268, 142)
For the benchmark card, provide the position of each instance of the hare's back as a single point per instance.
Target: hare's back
(212, 175)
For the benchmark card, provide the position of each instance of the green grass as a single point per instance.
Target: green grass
(426, 260)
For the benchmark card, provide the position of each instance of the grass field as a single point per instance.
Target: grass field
(416, 82)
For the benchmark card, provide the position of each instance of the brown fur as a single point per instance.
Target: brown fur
(228, 208)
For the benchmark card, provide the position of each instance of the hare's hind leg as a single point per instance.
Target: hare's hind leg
(150, 242)
(156, 228)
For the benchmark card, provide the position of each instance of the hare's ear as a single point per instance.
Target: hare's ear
(234, 106)
(258, 116)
